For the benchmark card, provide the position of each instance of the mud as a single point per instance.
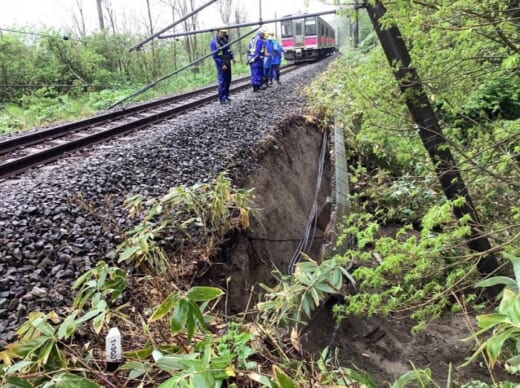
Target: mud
(383, 347)
(283, 188)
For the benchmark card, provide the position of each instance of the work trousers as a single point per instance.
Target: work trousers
(275, 71)
(267, 68)
(257, 72)
(224, 81)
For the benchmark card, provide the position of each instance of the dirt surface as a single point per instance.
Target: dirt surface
(385, 348)
(284, 186)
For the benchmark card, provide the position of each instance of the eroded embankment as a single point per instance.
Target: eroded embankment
(284, 186)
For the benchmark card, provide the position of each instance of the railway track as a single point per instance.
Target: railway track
(20, 153)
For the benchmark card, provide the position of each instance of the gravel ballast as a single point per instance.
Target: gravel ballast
(48, 237)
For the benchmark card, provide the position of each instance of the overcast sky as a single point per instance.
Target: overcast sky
(131, 13)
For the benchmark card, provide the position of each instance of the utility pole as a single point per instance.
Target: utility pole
(431, 134)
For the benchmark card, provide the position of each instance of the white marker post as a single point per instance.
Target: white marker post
(113, 349)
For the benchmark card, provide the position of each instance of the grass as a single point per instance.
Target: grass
(44, 107)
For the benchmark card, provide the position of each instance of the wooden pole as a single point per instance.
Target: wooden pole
(431, 133)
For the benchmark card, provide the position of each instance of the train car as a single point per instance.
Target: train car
(307, 38)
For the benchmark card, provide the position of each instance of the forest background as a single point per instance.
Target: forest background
(50, 73)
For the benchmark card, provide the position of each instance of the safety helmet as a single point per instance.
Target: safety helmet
(261, 31)
(224, 30)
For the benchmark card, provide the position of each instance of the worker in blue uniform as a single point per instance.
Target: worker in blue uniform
(255, 59)
(223, 56)
(277, 60)
(268, 78)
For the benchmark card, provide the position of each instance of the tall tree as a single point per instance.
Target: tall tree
(172, 4)
(153, 44)
(225, 10)
(240, 17)
(190, 42)
(109, 9)
(101, 20)
(79, 19)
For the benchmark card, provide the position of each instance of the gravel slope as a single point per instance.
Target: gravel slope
(46, 240)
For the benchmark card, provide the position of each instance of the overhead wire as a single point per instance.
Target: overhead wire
(30, 86)
(247, 24)
(140, 44)
(151, 85)
(64, 37)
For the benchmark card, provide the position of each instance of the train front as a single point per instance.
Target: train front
(306, 38)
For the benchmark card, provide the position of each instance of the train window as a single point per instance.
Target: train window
(310, 27)
(321, 30)
(287, 30)
(298, 29)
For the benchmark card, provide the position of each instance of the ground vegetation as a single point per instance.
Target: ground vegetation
(404, 253)
(410, 257)
(47, 77)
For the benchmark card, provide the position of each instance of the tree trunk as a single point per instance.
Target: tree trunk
(240, 17)
(79, 20)
(225, 10)
(431, 133)
(100, 15)
(173, 7)
(111, 17)
(151, 30)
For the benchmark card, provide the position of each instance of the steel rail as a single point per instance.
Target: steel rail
(33, 138)
(15, 166)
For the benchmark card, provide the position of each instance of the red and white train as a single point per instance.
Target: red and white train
(307, 38)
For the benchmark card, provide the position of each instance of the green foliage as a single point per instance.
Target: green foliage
(332, 375)
(186, 314)
(59, 380)
(504, 325)
(467, 67)
(410, 253)
(323, 372)
(408, 271)
(421, 377)
(42, 352)
(298, 295)
(236, 342)
(94, 287)
(50, 79)
(200, 215)
(214, 359)
(200, 369)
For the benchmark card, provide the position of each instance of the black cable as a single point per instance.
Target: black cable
(24, 86)
(281, 239)
(333, 337)
(311, 225)
(64, 37)
(313, 216)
